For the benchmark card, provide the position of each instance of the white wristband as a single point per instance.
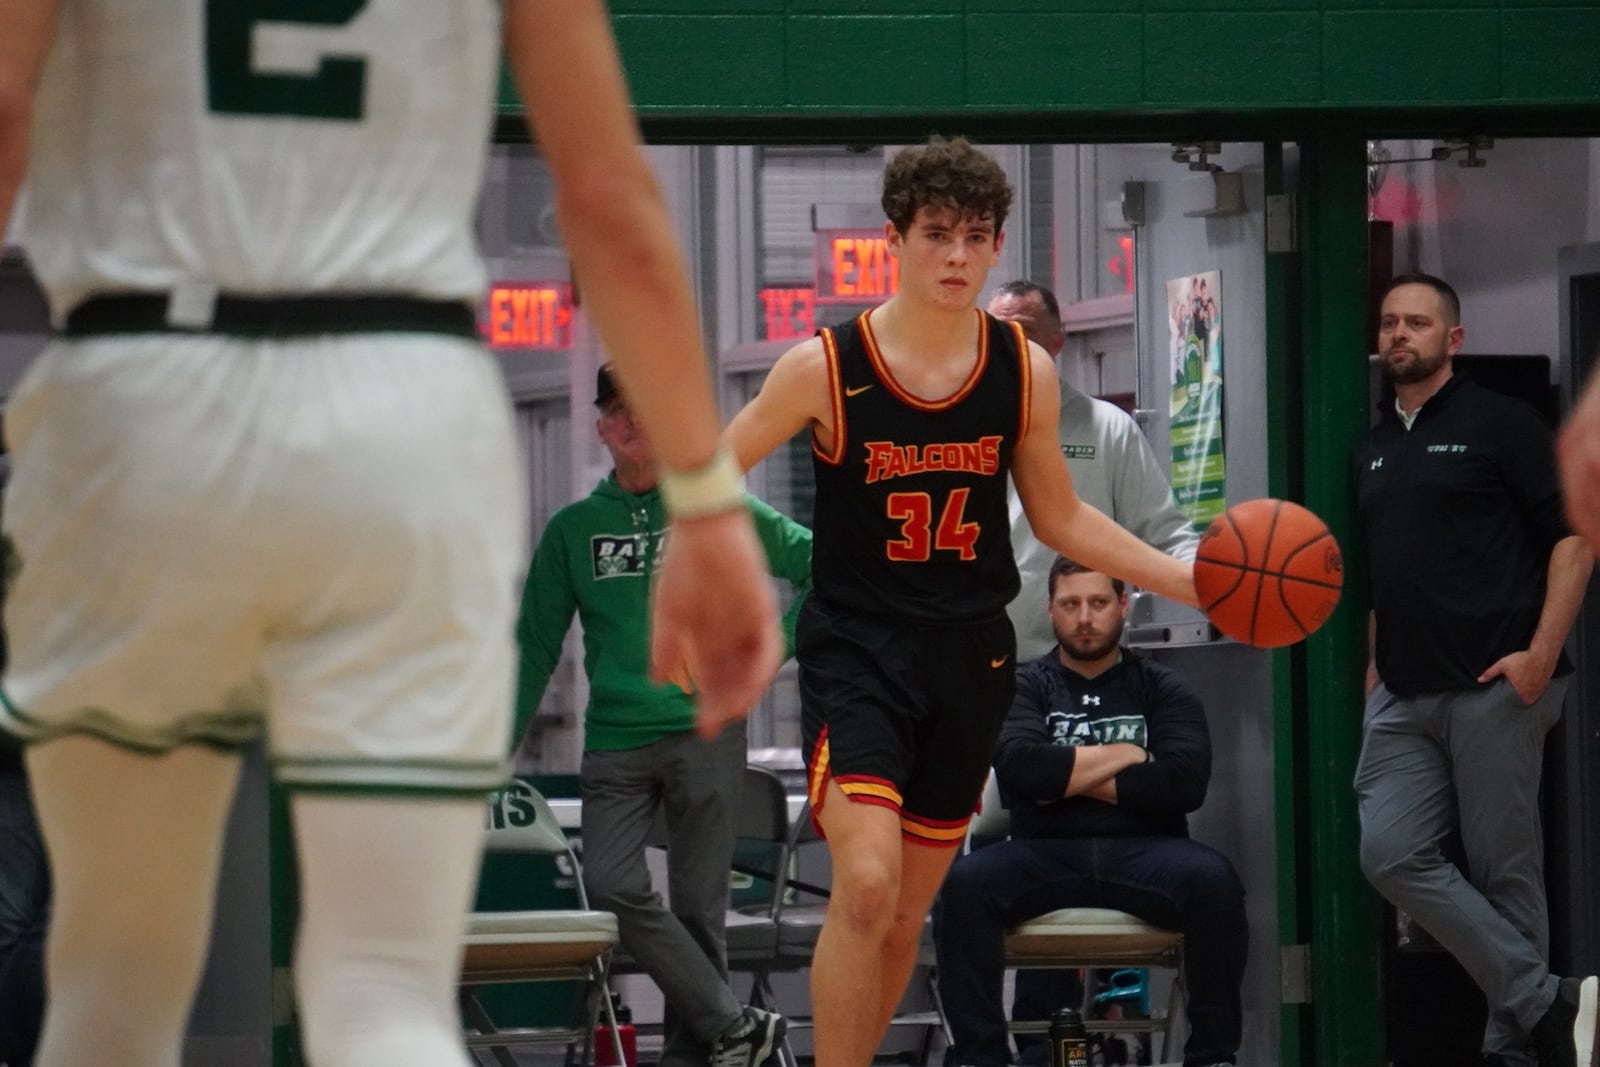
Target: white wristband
(711, 489)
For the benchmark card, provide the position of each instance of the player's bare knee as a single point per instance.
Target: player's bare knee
(864, 895)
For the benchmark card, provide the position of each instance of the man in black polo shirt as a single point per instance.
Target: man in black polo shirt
(1101, 757)
(1476, 579)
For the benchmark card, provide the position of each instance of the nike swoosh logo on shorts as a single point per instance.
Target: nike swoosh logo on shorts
(998, 663)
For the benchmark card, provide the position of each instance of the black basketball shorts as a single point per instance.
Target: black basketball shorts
(901, 714)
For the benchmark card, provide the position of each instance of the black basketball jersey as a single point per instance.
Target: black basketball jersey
(911, 518)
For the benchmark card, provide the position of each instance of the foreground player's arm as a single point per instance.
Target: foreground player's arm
(1578, 456)
(614, 220)
(1068, 525)
(29, 29)
(714, 608)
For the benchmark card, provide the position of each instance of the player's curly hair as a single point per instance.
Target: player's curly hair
(945, 174)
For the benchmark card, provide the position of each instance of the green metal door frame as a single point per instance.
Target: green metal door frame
(1345, 927)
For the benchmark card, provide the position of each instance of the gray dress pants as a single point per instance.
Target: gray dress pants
(1466, 763)
(695, 784)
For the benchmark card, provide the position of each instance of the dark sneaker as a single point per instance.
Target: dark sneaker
(750, 1041)
(1556, 1036)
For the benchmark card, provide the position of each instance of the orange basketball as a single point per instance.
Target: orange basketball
(1268, 573)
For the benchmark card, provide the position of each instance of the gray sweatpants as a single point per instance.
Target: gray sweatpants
(1466, 763)
(684, 950)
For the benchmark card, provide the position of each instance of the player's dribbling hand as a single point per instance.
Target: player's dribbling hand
(1578, 457)
(715, 613)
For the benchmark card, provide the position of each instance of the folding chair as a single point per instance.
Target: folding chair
(567, 945)
(752, 929)
(1073, 938)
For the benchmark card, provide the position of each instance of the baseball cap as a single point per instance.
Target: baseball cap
(605, 385)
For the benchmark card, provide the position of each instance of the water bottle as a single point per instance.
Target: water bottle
(604, 1054)
(1069, 1041)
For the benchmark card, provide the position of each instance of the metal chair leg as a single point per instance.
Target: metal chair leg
(473, 1014)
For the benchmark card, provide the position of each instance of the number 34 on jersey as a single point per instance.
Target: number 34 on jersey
(921, 536)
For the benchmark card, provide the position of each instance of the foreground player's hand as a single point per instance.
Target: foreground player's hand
(1578, 456)
(715, 612)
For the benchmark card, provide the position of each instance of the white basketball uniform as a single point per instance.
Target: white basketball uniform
(213, 522)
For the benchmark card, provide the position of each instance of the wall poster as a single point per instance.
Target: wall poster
(1194, 322)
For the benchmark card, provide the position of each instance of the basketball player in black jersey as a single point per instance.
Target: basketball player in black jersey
(917, 410)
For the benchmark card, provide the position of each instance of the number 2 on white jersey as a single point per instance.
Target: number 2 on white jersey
(336, 90)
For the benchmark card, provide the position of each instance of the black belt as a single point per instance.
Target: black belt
(273, 316)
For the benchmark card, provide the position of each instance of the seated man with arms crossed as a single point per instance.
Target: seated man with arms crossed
(1100, 759)
(1114, 469)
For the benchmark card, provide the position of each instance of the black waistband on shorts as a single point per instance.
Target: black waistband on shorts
(272, 316)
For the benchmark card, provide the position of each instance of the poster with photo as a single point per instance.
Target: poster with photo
(1194, 324)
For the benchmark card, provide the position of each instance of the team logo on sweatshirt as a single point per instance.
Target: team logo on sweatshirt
(621, 557)
(1074, 727)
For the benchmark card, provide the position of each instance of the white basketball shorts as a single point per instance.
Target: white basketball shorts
(316, 538)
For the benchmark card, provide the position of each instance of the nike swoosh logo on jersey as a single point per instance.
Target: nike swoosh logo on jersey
(998, 663)
(857, 391)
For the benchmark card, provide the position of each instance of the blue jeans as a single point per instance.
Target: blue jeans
(24, 909)
(1038, 993)
(1171, 882)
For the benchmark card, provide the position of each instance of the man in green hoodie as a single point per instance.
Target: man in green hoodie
(641, 752)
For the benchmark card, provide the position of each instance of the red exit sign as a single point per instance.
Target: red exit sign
(530, 315)
(790, 313)
(855, 267)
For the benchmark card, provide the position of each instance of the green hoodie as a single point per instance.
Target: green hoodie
(595, 559)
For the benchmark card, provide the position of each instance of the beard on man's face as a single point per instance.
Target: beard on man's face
(1419, 368)
(1087, 645)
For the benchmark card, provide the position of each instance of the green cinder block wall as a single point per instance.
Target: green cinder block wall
(826, 57)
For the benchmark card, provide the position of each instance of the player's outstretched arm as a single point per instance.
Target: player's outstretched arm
(795, 396)
(1067, 524)
(1578, 455)
(25, 41)
(714, 606)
